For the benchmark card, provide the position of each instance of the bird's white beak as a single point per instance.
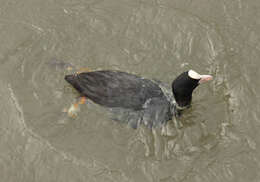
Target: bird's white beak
(205, 78)
(197, 76)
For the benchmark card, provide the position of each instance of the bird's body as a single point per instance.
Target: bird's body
(133, 99)
(115, 88)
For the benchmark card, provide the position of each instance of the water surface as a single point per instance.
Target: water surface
(41, 41)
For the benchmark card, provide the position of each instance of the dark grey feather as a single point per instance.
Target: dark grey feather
(115, 88)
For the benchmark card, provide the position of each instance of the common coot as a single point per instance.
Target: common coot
(137, 100)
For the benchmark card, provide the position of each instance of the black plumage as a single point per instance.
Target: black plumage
(115, 88)
(134, 99)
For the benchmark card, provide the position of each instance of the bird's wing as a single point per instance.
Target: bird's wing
(116, 89)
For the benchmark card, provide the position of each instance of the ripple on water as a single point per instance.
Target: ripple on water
(155, 47)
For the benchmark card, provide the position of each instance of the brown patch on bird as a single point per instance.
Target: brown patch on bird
(85, 69)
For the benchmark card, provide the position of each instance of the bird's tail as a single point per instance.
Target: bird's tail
(71, 79)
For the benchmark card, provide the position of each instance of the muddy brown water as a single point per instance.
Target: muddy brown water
(40, 40)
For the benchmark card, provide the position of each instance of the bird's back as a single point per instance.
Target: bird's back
(115, 88)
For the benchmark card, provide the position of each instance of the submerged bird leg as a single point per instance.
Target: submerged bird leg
(72, 111)
(85, 69)
(82, 100)
(74, 108)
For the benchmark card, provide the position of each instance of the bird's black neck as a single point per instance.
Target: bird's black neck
(183, 101)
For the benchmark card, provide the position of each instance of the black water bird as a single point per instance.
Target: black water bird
(134, 99)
